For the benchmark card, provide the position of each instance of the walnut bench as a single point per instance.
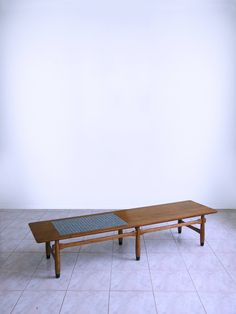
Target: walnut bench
(119, 220)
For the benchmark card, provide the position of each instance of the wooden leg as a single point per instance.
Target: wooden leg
(179, 228)
(202, 231)
(48, 249)
(57, 259)
(137, 246)
(120, 239)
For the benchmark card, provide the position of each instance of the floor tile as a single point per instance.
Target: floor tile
(5, 223)
(88, 271)
(228, 260)
(202, 261)
(161, 235)
(31, 215)
(226, 246)
(125, 261)
(30, 246)
(79, 212)
(85, 302)
(8, 246)
(90, 280)
(176, 281)
(44, 277)
(192, 246)
(232, 274)
(102, 247)
(39, 302)
(8, 300)
(29, 236)
(11, 280)
(130, 302)
(186, 234)
(46, 280)
(73, 249)
(128, 246)
(217, 232)
(131, 280)
(67, 262)
(10, 214)
(50, 215)
(213, 281)
(219, 303)
(160, 246)
(178, 302)
(166, 261)
(22, 262)
(3, 257)
(14, 233)
(94, 261)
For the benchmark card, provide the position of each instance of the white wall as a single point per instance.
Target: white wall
(116, 104)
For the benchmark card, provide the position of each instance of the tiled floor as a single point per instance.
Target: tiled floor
(174, 275)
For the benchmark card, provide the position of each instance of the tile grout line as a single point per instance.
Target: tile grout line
(69, 283)
(27, 284)
(219, 260)
(17, 301)
(109, 292)
(150, 275)
(189, 274)
(21, 291)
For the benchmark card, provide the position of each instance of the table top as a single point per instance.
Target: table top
(45, 231)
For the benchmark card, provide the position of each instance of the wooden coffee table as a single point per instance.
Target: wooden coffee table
(119, 220)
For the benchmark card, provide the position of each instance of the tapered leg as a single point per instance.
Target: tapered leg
(48, 249)
(120, 239)
(179, 228)
(137, 244)
(202, 231)
(57, 259)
